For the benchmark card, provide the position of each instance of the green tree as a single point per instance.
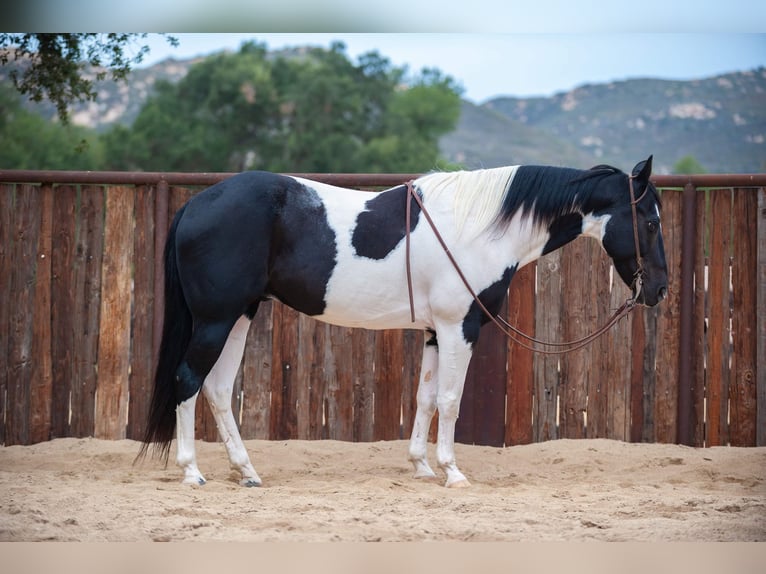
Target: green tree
(31, 142)
(53, 66)
(688, 165)
(313, 110)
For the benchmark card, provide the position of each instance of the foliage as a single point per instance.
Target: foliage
(52, 66)
(310, 111)
(31, 142)
(688, 165)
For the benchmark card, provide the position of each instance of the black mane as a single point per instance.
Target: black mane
(548, 192)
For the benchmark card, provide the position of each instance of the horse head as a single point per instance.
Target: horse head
(633, 235)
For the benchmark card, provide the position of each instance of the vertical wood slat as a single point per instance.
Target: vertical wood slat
(520, 375)
(742, 388)
(666, 398)
(25, 241)
(718, 332)
(598, 383)
(114, 340)
(317, 383)
(88, 257)
(576, 323)
(389, 363)
(698, 342)
(547, 327)
(256, 366)
(141, 365)
(619, 360)
(63, 306)
(363, 364)
(638, 344)
(340, 384)
(284, 423)
(41, 376)
(302, 383)
(7, 226)
(486, 382)
(760, 313)
(413, 356)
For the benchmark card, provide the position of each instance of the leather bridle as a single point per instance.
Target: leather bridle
(509, 330)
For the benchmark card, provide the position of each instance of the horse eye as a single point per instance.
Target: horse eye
(652, 226)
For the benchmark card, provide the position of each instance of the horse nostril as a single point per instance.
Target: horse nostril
(662, 293)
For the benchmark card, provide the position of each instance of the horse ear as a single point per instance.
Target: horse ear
(643, 170)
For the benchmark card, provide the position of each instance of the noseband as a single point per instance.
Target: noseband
(506, 328)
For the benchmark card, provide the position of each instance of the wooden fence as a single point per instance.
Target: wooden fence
(78, 310)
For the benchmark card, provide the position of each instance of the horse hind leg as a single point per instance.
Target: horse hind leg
(205, 347)
(218, 390)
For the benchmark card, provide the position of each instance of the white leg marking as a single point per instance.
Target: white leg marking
(454, 356)
(186, 457)
(218, 388)
(426, 407)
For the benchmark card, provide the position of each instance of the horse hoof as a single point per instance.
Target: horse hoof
(250, 482)
(424, 472)
(194, 481)
(459, 484)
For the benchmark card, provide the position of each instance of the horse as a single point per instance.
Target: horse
(362, 259)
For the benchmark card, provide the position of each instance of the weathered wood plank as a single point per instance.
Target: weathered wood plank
(25, 242)
(41, 381)
(719, 330)
(340, 384)
(413, 357)
(598, 382)
(638, 342)
(114, 340)
(317, 381)
(88, 258)
(363, 350)
(389, 363)
(698, 349)
(547, 327)
(520, 375)
(666, 403)
(63, 307)
(257, 363)
(742, 388)
(305, 360)
(7, 227)
(141, 363)
(284, 423)
(489, 363)
(760, 313)
(576, 323)
(619, 361)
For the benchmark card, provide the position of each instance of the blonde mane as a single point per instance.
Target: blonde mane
(477, 194)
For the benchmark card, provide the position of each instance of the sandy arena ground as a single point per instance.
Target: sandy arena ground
(88, 490)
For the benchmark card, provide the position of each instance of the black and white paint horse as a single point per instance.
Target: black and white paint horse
(338, 255)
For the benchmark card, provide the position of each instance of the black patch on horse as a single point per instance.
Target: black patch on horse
(304, 251)
(562, 230)
(492, 298)
(382, 226)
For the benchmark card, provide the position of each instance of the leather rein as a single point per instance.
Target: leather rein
(506, 328)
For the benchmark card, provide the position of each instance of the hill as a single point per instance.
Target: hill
(720, 121)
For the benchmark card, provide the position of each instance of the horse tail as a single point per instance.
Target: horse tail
(176, 334)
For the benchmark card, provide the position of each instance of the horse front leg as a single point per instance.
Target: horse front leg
(426, 401)
(454, 356)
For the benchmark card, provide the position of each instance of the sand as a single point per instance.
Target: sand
(568, 490)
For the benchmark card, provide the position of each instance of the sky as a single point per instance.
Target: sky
(523, 65)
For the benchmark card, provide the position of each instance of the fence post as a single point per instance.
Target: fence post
(161, 202)
(685, 428)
